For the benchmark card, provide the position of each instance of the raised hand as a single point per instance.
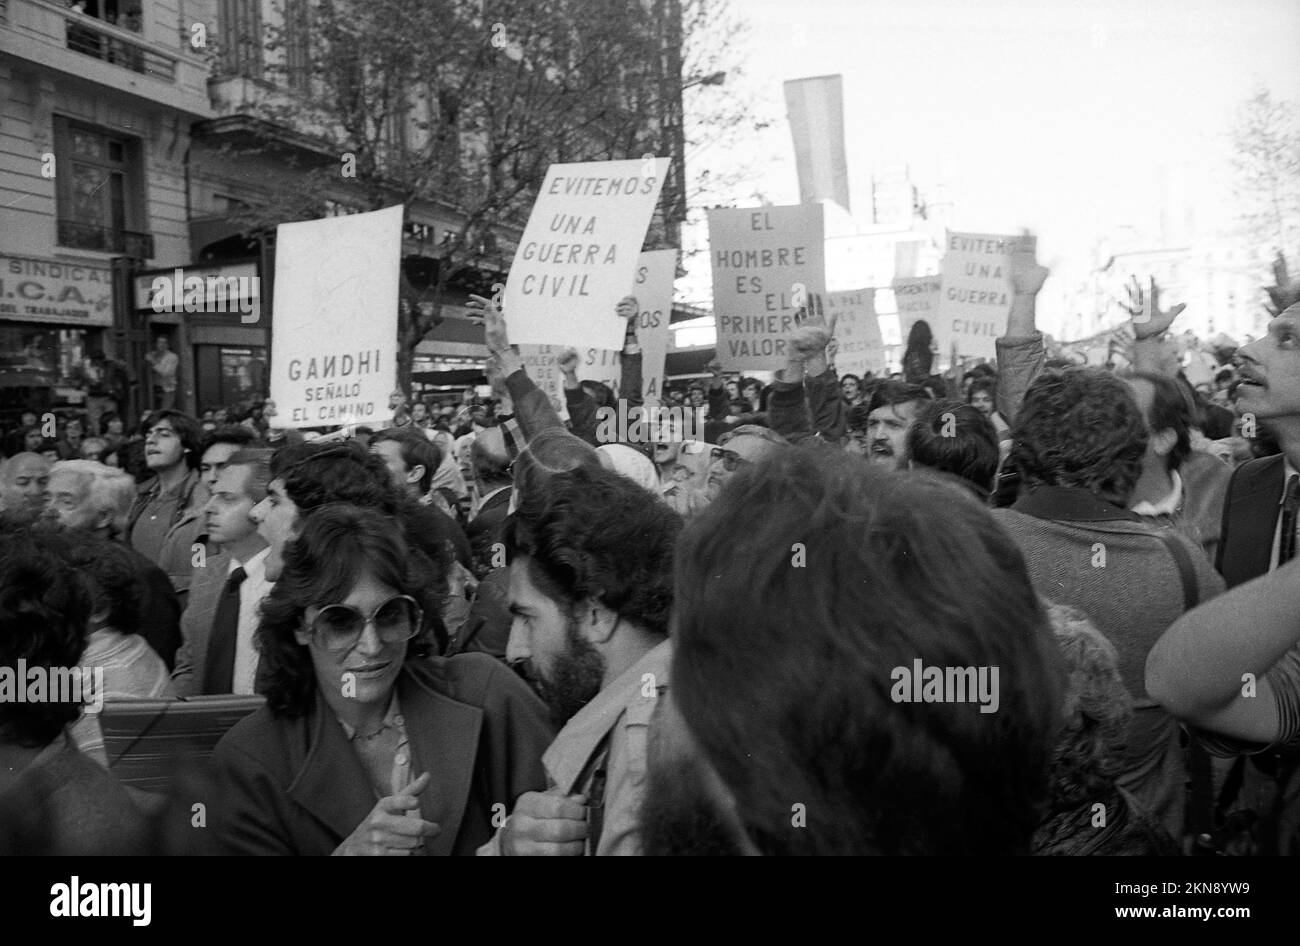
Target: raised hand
(494, 324)
(389, 830)
(1144, 309)
(1027, 277)
(627, 307)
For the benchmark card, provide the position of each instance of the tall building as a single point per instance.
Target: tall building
(135, 141)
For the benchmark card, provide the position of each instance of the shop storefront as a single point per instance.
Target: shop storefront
(213, 317)
(54, 322)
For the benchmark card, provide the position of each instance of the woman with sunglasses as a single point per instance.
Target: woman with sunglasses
(366, 744)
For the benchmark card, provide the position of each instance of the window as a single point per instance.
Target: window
(124, 14)
(99, 191)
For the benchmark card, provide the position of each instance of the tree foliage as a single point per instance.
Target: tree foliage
(458, 107)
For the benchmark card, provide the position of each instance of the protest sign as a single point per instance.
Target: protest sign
(542, 363)
(579, 252)
(976, 295)
(334, 348)
(654, 295)
(917, 299)
(766, 263)
(860, 347)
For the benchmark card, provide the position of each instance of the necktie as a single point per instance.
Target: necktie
(219, 674)
(1290, 501)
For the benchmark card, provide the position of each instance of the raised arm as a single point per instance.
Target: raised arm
(1231, 666)
(1020, 352)
(533, 408)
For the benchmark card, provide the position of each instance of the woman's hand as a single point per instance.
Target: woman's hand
(388, 830)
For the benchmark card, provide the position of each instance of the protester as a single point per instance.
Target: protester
(893, 408)
(1080, 442)
(165, 523)
(23, 481)
(218, 655)
(54, 800)
(957, 439)
(802, 593)
(1088, 813)
(218, 447)
(357, 710)
(590, 591)
(90, 498)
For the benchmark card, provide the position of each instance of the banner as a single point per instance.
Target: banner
(334, 348)
(860, 348)
(917, 298)
(815, 108)
(762, 260)
(579, 252)
(976, 296)
(655, 275)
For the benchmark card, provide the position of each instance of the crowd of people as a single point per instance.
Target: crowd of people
(1023, 607)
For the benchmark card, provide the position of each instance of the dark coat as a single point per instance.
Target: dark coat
(295, 786)
(1250, 520)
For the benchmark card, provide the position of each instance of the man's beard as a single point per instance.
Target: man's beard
(574, 679)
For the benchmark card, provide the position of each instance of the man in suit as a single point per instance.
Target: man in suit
(487, 626)
(218, 654)
(1259, 518)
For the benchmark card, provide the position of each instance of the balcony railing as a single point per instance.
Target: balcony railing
(85, 236)
(87, 36)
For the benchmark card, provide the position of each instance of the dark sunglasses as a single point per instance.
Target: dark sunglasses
(337, 627)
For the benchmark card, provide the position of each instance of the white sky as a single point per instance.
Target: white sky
(1044, 114)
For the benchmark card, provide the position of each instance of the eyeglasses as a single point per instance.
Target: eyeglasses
(730, 458)
(337, 627)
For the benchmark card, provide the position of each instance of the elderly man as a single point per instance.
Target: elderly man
(86, 495)
(23, 479)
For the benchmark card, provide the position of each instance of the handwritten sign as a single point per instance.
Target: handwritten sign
(857, 331)
(579, 252)
(654, 295)
(917, 299)
(334, 349)
(976, 295)
(766, 264)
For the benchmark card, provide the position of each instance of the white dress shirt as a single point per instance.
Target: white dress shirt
(254, 588)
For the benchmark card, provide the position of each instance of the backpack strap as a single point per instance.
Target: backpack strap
(1186, 572)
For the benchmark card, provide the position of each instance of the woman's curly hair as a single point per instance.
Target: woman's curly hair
(338, 543)
(1098, 708)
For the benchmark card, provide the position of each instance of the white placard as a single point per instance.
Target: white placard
(334, 346)
(579, 252)
(976, 297)
(859, 347)
(654, 295)
(761, 258)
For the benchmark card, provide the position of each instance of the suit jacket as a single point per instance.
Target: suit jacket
(196, 624)
(1250, 519)
(295, 786)
(160, 609)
